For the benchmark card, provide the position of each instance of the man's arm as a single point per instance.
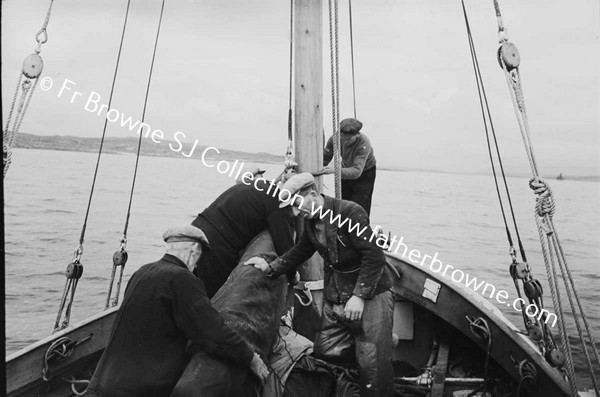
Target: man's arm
(372, 257)
(281, 227)
(328, 151)
(202, 324)
(360, 159)
(299, 254)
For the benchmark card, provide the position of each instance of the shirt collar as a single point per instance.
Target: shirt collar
(174, 260)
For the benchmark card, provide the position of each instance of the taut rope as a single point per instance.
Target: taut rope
(508, 57)
(75, 268)
(335, 96)
(32, 69)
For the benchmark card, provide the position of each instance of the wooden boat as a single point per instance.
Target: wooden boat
(444, 354)
(444, 317)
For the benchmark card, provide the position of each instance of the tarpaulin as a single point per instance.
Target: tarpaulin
(251, 304)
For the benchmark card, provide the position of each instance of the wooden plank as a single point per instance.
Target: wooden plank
(439, 374)
(24, 368)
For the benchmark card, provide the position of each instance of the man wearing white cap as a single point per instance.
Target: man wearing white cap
(359, 303)
(164, 306)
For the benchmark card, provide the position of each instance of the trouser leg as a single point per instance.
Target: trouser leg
(334, 342)
(347, 189)
(374, 347)
(362, 190)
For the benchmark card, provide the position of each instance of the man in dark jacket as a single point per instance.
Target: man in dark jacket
(358, 306)
(233, 220)
(164, 306)
(358, 163)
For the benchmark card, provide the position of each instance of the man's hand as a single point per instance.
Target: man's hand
(259, 263)
(259, 368)
(354, 308)
(326, 170)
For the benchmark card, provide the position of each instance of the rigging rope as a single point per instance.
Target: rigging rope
(120, 257)
(289, 155)
(352, 56)
(75, 268)
(509, 61)
(537, 331)
(32, 69)
(335, 95)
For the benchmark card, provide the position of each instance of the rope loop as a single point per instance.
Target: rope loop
(75, 382)
(59, 350)
(479, 327)
(309, 296)
(41, 37)
(545, 204)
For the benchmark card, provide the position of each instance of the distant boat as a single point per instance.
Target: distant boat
(560, 177)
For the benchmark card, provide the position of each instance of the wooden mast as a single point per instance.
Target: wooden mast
(308, 123)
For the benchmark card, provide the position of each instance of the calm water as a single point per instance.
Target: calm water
(456, 216)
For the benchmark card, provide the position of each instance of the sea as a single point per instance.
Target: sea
(455, 216)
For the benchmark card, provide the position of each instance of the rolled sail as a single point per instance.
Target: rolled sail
(251, 304)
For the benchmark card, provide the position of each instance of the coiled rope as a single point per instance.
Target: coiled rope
(335, 95)
(527, 373)
(545, 207)
(32, 69)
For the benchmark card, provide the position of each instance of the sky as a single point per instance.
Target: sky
(221, 76)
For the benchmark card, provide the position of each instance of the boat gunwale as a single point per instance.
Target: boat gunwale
(481, 304)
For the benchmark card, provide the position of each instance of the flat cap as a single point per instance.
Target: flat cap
(293, 186)
(350, 126)
(186, 233)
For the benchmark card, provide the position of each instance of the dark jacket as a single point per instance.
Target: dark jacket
(357, 155)
(164, 306)
(243, 211)
(233, 220)
(353, 264)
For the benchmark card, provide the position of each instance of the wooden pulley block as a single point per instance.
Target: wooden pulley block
(509, 54)
(33, 66)
(518, 270)
(74, 271)
(533, 289)
(534, 332)
(555, 357)
(120, 258)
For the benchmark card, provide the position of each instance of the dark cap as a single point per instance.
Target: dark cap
(350, 126)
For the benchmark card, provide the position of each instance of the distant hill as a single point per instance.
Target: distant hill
(150, 148)
(130, 144)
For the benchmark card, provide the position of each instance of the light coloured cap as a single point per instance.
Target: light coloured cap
(251, 168)
(294, 185)
(186, 233)
(350, 126)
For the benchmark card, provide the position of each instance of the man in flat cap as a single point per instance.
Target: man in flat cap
(164, 306)
(358, 163)
(359, 303)
(238, 215)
